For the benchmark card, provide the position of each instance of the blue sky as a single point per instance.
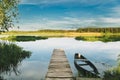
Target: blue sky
(68, 14)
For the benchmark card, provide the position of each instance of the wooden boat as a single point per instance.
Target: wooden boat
(85, 67)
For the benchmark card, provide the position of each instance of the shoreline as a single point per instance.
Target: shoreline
(45, 34)
(51, 33)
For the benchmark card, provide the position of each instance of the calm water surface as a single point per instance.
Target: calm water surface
(36, 66)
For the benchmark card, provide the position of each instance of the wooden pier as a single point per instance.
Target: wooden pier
(59, 68)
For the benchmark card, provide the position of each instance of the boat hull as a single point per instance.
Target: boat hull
(84, 72)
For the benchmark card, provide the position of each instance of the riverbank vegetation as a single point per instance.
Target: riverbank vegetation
(114, 73)
(104, 38)
(23, 38)
(49, 33)
(86, 34)
(11, 56)
(107, 34)
(101, 30)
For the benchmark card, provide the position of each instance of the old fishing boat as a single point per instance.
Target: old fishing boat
(85, 67)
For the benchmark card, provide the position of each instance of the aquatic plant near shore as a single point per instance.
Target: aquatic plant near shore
(114, 73)
(24, 38)
(103, 38)
(11, 56)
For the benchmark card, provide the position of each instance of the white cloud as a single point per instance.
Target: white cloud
(87, 2)
(65, 23)
(96, 2)
(44, 1)
(69, 23)
(115, 11)
(113, 17)
(111, 20)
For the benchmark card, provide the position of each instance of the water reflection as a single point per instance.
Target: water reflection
(35, 68)
(11, 56)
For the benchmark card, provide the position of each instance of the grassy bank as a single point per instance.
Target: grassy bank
(86, 36)
(23, 38)
(50, 33)
(101, 38)
(104, 38)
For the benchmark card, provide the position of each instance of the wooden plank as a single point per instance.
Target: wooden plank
(59, 78)
(59, 68)
(79, 78)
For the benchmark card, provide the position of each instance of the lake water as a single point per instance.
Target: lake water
(35, 68)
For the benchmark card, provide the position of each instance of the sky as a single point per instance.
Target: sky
(68, 14)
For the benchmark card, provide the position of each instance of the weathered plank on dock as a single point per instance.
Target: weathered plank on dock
(59, 68)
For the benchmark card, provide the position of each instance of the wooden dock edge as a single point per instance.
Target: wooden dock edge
(59, 68)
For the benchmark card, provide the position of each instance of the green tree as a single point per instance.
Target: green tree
(8, 13)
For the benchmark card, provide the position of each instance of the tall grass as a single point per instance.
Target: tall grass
(11, 56)
(103, 38)
(87, 38)
(114, 73)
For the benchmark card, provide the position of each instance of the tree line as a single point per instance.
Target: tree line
(104, 30)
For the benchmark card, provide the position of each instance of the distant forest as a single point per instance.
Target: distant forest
(104, 30)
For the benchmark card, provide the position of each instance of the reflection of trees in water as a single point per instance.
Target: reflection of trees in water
(11, 56)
